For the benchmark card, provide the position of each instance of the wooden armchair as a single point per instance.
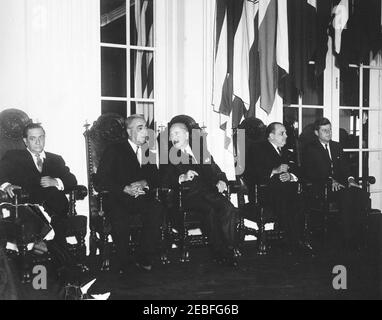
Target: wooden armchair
(12, 123)
(186, 222)
(108, 129)
(253, 209)
(319, 206)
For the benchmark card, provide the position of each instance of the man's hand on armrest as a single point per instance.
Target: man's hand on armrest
(9, 188)
(222, 186)
(353, 183)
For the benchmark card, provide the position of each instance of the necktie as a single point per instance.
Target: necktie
(327, 151)
(279, 151)
(39, 162)
(331, 162)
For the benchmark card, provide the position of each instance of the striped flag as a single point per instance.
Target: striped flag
(251, 44)
(273, 48)
(143, 71)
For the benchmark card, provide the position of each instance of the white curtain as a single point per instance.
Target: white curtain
(50, 68)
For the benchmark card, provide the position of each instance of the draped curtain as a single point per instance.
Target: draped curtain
(50, 68)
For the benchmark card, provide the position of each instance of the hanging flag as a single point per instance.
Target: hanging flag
(143, 73)
(273, 48)
(324, 16)
(363, 34)
(341, 17)
(220, 83)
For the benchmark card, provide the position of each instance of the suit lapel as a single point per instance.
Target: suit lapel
(130, 153)
(273, 151)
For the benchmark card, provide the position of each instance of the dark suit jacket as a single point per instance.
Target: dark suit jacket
(209, 174)
(119, 167)
(262, 158)
(317, 166)
(17, 167)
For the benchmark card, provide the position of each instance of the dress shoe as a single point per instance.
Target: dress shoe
(40, 248)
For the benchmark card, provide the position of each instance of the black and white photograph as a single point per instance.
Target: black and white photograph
(190, 156)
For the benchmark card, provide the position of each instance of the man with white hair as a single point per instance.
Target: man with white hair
(124, 172)
(207, 184)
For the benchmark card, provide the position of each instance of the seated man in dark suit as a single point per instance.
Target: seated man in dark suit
(207, 183)
(42, 174)
(129, 175)
(267, 162)
(323, 161)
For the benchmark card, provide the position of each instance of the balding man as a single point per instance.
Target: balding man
(130, 179)
(268, 162)
(207, 183)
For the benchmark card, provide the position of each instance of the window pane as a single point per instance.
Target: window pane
(118, 107)
(309, 116)
(349, 87)
(314, 91)
(141, 23)
(113, 72)
(291, 124)
(373, 168)
(113, 21)
(142, 74)
(371, 120)
(353, 159)
(145, 109)
(349, 129)
(366, 88)
(374, 91)
(289, 94)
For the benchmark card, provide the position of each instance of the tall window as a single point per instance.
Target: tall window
(301, 110)
(128, 57)
(359, 111)
(352, 99)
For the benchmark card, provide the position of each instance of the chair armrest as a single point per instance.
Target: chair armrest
(3, 196)
(22, 196)
(77, 192)
(367, 179)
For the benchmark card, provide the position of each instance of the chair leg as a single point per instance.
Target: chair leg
(164, 246)
(26, 275)
(262, 247)
(93, 243)
(105, 252)
(185, 254)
